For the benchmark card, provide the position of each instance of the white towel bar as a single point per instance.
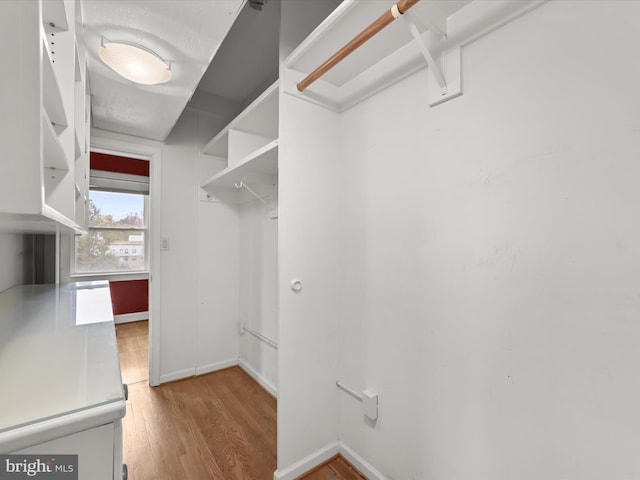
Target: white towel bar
(350, 391)
(266, 340)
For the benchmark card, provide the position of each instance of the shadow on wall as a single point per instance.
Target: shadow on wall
(39, 258)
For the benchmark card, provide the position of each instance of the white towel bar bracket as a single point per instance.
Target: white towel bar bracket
(368, 398)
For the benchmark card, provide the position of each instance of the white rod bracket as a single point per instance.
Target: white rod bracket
(445, 79)
(244, 185)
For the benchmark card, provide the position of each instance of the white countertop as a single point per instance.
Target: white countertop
(58, 354)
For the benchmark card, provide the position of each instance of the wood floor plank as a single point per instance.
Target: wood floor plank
(133, 347)
(240, 390)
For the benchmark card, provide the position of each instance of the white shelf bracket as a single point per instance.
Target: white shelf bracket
(444, 81)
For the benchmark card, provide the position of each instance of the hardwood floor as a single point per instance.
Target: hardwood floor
(133, 347)
(219, 426)
(335, 469)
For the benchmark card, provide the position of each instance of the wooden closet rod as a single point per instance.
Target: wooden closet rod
(385, 19)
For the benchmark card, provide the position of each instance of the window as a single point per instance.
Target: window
(117, 222)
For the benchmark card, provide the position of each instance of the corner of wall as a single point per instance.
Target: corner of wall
(322, 455)
(307, 463)
(261, 379)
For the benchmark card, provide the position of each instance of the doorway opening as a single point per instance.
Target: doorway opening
(125, 196)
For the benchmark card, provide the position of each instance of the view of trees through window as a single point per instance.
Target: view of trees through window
(116, 238)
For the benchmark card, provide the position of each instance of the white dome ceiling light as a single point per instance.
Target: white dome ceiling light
(135, 63)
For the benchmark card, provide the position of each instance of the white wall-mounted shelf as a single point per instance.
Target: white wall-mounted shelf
(260, 166)
(219, 145)
(443, 27)
(260, 118)
(39, 46)
(246, 149)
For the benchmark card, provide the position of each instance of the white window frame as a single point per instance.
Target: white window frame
(118, 183)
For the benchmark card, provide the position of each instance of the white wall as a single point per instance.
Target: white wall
(258, 290)
(217, 260)
(490, 252)
(179, 204)
(11, 273)
(217, 286)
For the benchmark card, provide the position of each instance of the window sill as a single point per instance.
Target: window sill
(115, 276)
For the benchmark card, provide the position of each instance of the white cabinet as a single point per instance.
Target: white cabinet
(62, 390)
(44, 129)
(247, 150)
(94, 447)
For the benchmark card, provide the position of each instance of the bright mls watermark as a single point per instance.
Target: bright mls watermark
(50, 467)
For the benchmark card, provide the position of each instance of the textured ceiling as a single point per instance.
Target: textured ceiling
(184, 33)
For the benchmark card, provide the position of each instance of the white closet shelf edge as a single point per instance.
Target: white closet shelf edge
(263, 161)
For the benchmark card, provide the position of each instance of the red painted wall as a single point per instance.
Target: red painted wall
(115, 163)
(129, 296)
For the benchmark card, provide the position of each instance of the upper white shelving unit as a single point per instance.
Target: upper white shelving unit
(44, 142)
(443, 27)
(247, 147)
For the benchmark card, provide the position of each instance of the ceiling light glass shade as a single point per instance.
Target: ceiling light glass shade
(135, 63)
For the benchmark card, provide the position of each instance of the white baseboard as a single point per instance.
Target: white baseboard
(320, 456)
(307, 463)
(199, 370)
(178, 375)
(360, 463)
(212, 367)
(131, 317)
(266, 384)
